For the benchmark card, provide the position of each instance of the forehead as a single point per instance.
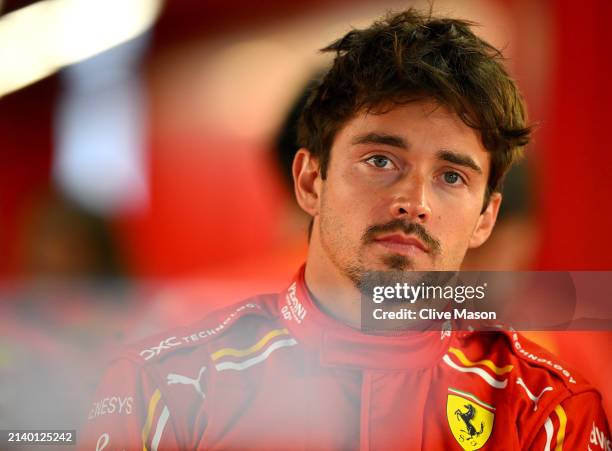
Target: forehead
(420, 123)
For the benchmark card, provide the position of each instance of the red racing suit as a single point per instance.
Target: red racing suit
(276, 373)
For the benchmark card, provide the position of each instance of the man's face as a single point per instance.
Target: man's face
(404, 191)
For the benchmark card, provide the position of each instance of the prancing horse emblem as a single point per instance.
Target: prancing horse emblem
(467, 418)
(470, 419)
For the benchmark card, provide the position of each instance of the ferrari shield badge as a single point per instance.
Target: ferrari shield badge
(470, 419)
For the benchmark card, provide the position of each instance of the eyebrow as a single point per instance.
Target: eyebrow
(459, 159)
(381, 138)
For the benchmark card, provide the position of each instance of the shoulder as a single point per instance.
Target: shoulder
(530, 381)
(231, 324)
(519, 357)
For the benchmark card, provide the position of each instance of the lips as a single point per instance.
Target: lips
(402, 243)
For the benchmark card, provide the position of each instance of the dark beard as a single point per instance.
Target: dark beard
(398, 262)
(395, 264)
(399, 270)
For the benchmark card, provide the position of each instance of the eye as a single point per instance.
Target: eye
(380, 161)
(453, 178)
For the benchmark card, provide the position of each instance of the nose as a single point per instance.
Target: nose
(410, 200)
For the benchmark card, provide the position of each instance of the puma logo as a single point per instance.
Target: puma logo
(535, 399)
(174, 378)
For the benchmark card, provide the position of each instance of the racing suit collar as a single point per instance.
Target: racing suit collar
(339, 345)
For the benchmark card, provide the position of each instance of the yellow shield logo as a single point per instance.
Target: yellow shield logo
(470, 419)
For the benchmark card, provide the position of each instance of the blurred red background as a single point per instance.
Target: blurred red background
(559, 53)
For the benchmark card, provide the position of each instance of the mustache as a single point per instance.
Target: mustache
(408, 228)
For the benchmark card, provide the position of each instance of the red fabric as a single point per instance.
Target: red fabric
(275, 373)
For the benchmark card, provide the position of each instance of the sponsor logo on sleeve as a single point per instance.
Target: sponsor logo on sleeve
(167, 343)
(538, 359)
(111, 405)
(598, 438)
(174, 341)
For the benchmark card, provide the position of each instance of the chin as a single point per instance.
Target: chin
(397, 262)
(390, 262)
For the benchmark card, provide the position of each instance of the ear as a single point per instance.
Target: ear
(307, 181)
(486, 221)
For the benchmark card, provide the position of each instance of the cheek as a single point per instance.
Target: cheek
(346, 213)
(368, 196)
(333, 203)
(455, 216)
(456, 231)
(353, 195)
(461, 210)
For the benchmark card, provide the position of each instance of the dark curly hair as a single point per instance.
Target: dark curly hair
(408, 56)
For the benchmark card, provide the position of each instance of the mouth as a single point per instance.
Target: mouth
(402, 244)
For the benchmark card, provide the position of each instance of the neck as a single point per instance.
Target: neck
(331, 290)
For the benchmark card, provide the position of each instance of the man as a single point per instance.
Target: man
(404, 145)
